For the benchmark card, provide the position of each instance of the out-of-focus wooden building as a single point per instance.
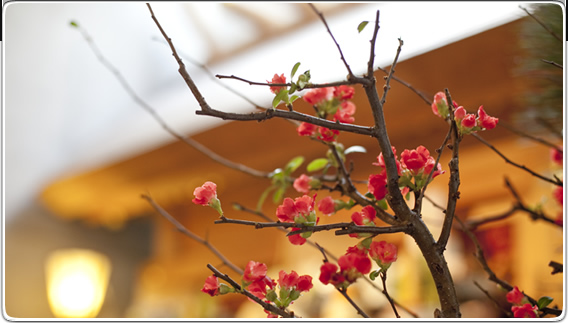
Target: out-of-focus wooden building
(479, 70)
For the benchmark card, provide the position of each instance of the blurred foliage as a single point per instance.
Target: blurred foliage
(543, 102)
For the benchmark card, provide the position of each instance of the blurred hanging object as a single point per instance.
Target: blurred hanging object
(77, 281)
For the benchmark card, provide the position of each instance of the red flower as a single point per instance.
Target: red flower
(290, 209)
(254, 271)
(558, 194)
(556, 155)
(296, 239)
(307, 129)
(381, 160)
(318, 95)
(345, 112)
(383, 253)
(468, 121)
(327, 135)
(277, 80)
(366, 216)
(326, 205)
(414, 160)
(287, 281)
(353, 265)
(515, 296)
(205, 193)
(304, 283)
(329, 275)
(525, 311)
(485, 120)
(430, 165)
(302, 183)
(211, 285)
(343, 92)
(377, 185)
(440, 105)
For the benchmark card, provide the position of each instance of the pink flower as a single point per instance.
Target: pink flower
(486, 121)
(345, 112)
(366, 216)
(415, 160)
(377, 185)
(525, 311)
(327, 135)
(430, 165)
(383, 253)
(211, 286)
(205, 193)
(515, 296)
(307, 129)
(277, 80)
(326, 205)
(254, 271)
(318, 95)
(290, 209)
(440, 105)
(302, 183)
(556, 155)
(343, 92)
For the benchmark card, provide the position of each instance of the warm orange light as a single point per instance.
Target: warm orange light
(77, 280)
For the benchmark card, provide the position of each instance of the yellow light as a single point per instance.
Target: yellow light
(77, 280)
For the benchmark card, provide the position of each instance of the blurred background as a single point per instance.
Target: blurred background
(79, 151)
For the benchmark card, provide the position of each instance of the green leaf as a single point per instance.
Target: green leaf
(281, 96)
(374, 274)
(294, 164)
(295, 69)
(294, 98)
(74, 24)
(263, 197)
(317, 164)
(544, 301)
(383, 204)
(362, 26)
(293, 88)
(355, 149)
(277, 197)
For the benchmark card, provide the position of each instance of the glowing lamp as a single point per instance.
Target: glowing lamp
(77, 281)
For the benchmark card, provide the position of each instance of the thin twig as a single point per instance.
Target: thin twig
(454, 181)
(181, 228)
(370, 68)
(383, 275)
(474, 224)
(493, 300)
(267, 306)
(542, 24)
(523, 167)
(556, 267)
(359, 310)
(320, 15)
(144, 105)
(492, 276)
(307, 86)
(533, 138)
(552, 63)
(349, 189)
(391, 72)
(409, 86)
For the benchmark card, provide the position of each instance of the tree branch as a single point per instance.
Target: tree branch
(454, 182)
(386, 87)
(373, 41)
(542, 24)
(267, 306)
(181, 228)
(320, 15)
(523, 167)
(383, 275)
